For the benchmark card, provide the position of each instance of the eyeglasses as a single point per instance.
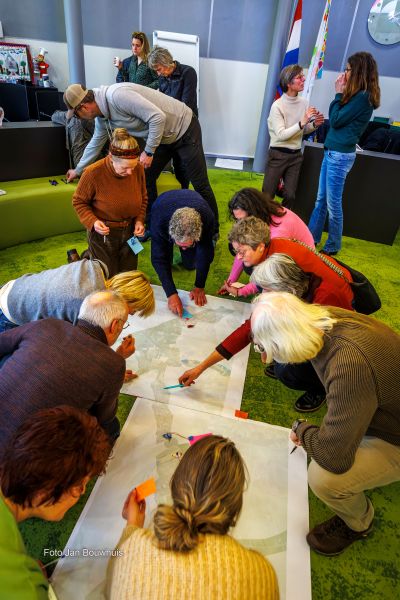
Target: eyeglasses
(258, 348)
(242, 252)
(126, 325)
(347, 69)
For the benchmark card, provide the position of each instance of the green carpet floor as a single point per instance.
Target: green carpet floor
(369, 569)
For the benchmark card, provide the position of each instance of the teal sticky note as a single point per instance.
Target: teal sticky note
(134, 245)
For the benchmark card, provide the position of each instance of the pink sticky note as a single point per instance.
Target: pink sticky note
(195, 438)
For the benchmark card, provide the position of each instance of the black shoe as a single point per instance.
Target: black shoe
(269, 371)
(309, 402)
(73, 256)
(329, 253)
(333, 536)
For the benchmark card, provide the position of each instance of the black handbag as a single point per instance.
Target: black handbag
(366, 299)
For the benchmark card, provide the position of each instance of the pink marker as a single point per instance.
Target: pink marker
(195, 438)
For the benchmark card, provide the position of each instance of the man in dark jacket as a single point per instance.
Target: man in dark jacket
(182, 217)
(180, 82)
(51, 362)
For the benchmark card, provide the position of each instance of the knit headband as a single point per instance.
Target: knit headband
(124, 153)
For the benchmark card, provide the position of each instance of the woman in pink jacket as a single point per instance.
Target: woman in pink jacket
(283, 223)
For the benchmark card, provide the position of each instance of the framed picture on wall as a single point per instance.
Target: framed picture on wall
(15, 62)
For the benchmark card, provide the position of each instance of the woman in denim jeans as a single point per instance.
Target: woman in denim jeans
(357, 95)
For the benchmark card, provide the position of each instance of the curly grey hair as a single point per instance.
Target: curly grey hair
(160, 57)
(250, 231)
(281, 274)
(185, 225)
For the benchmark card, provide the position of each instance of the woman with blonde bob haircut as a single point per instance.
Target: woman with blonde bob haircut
(190, 554)
(59, 293)
(287, 329)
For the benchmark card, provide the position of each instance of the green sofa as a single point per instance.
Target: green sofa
(33, 208)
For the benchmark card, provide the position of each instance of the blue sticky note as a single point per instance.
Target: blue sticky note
(186, 314)
(134, 245)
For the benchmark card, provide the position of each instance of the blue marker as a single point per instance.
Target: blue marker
(170, 387)
(186, 314)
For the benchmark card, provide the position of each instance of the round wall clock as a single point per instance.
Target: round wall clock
(384, 22)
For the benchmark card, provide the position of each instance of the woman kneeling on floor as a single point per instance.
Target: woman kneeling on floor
(190, 554)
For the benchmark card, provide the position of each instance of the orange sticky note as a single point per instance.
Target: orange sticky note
(145, 489)
(241, 414)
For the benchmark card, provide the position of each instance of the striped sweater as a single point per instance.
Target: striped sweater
(218, 568)
(359, 366)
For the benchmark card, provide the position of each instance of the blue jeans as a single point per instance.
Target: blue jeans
(5, 324)
(334, 170)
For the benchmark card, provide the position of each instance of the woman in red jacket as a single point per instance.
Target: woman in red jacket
(285, 265)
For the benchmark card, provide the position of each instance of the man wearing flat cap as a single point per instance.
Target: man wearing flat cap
(168, 127)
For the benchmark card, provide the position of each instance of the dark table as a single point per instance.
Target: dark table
(371, 197)
(32, 149)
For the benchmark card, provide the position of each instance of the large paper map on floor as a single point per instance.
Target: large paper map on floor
(166, 347)
(274, 518)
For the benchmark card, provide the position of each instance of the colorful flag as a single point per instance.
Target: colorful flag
(318, 56)
(292, 50)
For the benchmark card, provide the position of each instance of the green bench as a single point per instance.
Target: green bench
(33, 208)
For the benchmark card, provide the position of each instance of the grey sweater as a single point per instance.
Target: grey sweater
(359, 366)
(144, 112)
(55, 293)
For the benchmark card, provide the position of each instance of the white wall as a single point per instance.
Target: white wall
(231, 93)
(324, 92)
(57, 58)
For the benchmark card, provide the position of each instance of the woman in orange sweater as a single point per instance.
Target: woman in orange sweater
(110, 201)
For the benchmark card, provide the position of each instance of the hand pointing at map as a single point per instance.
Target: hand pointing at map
(189, 376)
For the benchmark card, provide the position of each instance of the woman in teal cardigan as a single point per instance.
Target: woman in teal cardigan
(135, 69)
(357, 95)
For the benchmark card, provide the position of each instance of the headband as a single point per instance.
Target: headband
(124, 153)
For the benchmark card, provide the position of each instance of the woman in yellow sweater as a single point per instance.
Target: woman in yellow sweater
(190, 554)
(110, 201)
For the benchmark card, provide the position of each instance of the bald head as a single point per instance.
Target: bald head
(102, 308)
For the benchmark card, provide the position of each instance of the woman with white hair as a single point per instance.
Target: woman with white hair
(282, 273)
(357, 447)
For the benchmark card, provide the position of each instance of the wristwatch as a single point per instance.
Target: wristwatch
(148, 153)
(296, 423)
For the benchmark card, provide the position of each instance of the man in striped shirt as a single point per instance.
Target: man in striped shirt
(357, 446)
